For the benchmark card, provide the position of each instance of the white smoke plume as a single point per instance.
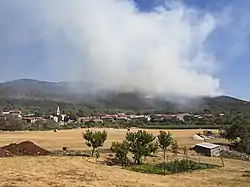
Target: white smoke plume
(113, 44)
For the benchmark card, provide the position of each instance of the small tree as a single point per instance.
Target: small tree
(164, 140)
(175, 147)
(239, 134)
(121, 151)
(185, 151)
(95, 139)
(141, 144)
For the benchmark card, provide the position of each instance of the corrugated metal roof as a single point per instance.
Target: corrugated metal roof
(207, 145)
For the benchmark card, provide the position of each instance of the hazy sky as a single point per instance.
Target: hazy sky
(173, 47)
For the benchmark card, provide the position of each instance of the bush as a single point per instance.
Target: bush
(176, 166)
(121, 152)
(150, 169)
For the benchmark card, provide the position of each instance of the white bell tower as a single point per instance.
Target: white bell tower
(58, 111)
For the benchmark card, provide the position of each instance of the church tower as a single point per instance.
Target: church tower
(58, 111)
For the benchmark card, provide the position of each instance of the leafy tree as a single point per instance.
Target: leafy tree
(72, 115)
(141, 144)
(80, 113)
(90, 123)
(94, 139)
(164, 141)
(239, 134)
(121, 151)
(11, 124)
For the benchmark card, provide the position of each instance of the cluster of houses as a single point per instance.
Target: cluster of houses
(61, 118)
(32, 118)
(113, 117)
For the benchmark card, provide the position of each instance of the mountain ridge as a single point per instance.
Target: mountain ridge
(86, 93)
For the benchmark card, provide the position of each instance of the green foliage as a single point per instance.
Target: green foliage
(141, 143)
(43, 125)
(176, 166)
(164, 140)
(121, 151)
(181, 126)
(239, 134)
(244, 145)
(149, 169)
(95, 139)
(11, 124)
(72, 115)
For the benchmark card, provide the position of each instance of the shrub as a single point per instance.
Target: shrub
(176, 166)
(121, 152)
(150, 169)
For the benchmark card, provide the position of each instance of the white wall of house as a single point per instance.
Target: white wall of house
(55, 118)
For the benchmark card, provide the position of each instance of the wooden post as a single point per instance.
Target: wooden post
(222, 161)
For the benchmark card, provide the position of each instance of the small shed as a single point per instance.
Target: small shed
(207, 149)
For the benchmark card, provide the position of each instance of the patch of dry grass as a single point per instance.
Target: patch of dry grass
(78, 171)
(73, 138)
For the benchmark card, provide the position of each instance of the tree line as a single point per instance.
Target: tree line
(142, 144)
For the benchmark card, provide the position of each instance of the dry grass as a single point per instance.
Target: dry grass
(78, 171)
(73, 138)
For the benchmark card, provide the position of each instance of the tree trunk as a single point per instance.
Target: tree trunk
(222, 161)
(164, 162)
(138, 160)
(92, 153)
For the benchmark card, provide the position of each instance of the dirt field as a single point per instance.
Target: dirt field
(73, 138)
(78, 171)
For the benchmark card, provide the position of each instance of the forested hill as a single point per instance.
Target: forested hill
(25, 93)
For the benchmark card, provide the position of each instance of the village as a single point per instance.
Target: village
(204, 148)
(64, 118)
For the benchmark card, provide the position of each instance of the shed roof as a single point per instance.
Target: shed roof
(207, 145)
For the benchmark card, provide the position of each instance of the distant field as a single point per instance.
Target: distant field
(85, 172)
(73, 138)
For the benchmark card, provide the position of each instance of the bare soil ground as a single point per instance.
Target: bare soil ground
(21, 171)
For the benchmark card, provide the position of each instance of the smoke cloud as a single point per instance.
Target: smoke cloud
(112, 44)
